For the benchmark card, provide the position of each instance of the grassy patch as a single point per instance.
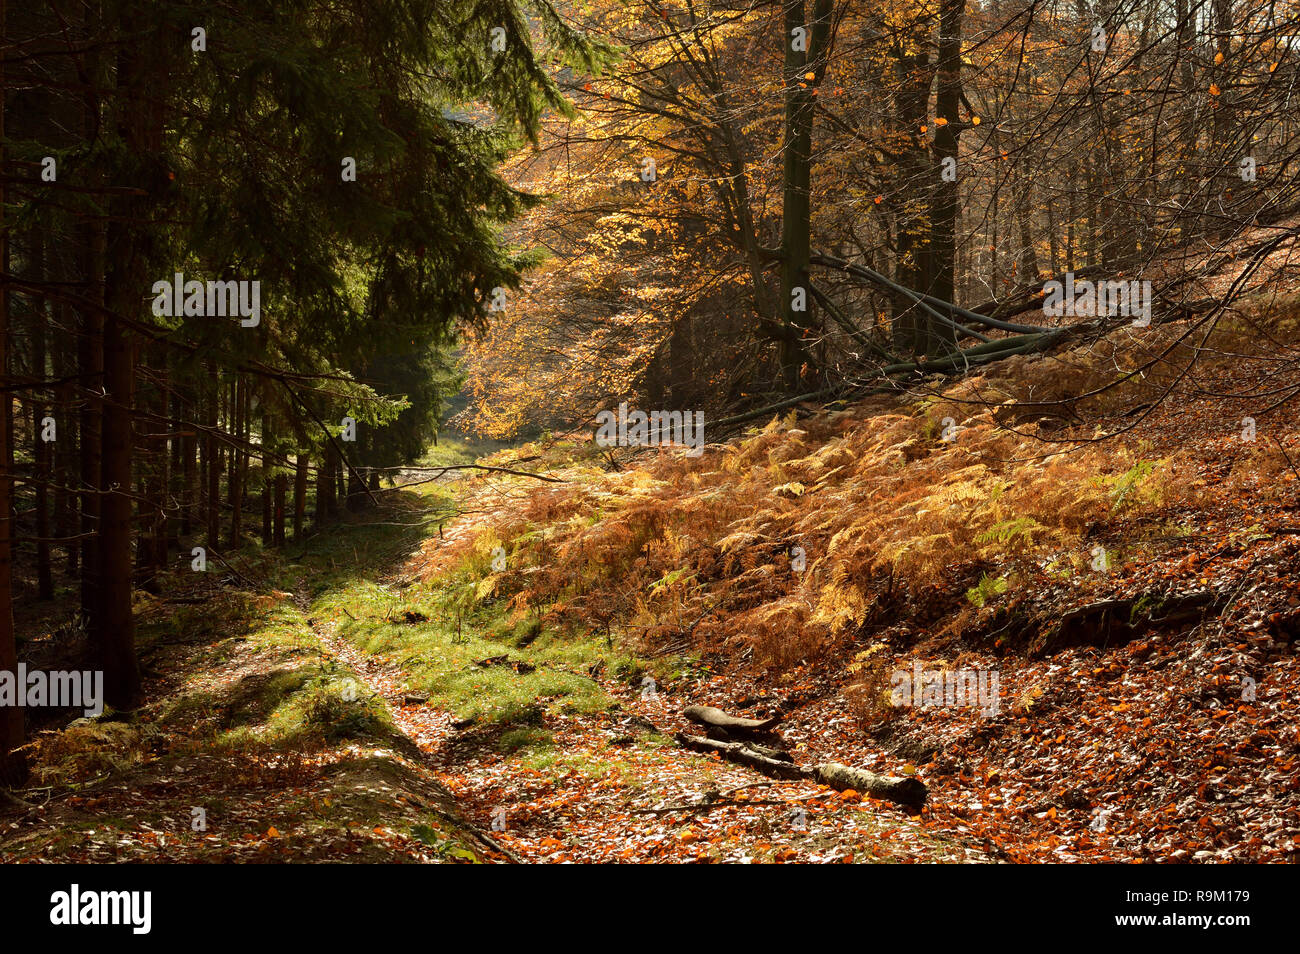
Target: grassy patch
(438, 632)
(254, 727)
(437, 661)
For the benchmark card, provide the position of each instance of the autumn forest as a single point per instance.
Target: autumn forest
(644, 431)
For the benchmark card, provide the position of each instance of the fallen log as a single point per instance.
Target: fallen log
(743, 754)
(715, 718)
(765, 751)
(908, 791)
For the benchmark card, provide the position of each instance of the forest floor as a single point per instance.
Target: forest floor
(384, 691)
(288, 717)
(253, 744)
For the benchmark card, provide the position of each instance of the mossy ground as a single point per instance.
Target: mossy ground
(254, 741)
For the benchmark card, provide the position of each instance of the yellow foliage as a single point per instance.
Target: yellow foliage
(872, 502)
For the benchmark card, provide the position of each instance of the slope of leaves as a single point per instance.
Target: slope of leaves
(1136, 594)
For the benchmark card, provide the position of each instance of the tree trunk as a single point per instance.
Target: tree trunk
(908, 791)
(1028, 256)
(299, 496)
(804, 69)
(912, 331)
(234, 481)
(327, 486)
(140, 68)
(90, 346)
(244, 455)
(281, 485)
(267, 480)
(744, 753)
(939, 338)
(1223, 148)
(150, 461)
(66, 449)
(90, 369)
(162, 466)
(356, 484)
(13, 763)
(176, 467)
(266, 507)
(715, 718)
(189, 464)
(212, 459)
(113, 626)
(41, 450)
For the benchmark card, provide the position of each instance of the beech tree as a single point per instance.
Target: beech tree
(958, 157)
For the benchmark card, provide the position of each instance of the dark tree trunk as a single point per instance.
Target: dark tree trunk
(266, 509)
(13, 763)
(142, 66)
(66, 450)
(90, 346)
(327, 505)
(189, 469)
(212, 459)
(175, 500)
(244, 454)
(235, 479)
(162, 468)
(796, 299)
(356, 483)
(150, 460)
(281, 487)
(941, 338)
(42, 451)
(267, 479)
(299, 496)
(113, 626)
(90, 369)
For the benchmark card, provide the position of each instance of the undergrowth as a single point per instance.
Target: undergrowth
(793, 539)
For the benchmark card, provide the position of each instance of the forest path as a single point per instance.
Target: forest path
(603, 787)
(559, 748)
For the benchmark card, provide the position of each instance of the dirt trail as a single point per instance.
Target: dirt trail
(214, 767)
(610, 788)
